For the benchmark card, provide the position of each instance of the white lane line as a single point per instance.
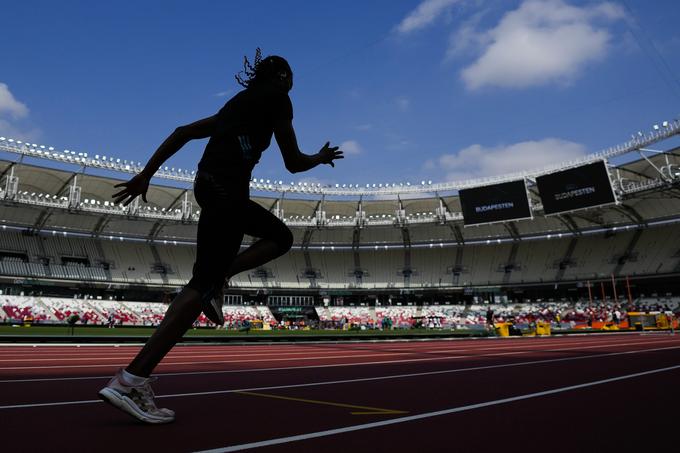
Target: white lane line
(63, 347)
(192, 356)
(453, 410)
(267, 351)
(381, 354)
(104, 356)
(351, 381)
(432, 349)
(333, 365)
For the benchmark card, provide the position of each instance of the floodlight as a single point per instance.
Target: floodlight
(11, 140)
(655, 127)
(2, 139)
(19, 142)
(665, 124)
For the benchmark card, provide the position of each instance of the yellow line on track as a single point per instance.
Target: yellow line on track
(365, 410)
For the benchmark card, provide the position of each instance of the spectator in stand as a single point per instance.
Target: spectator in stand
(489, 320)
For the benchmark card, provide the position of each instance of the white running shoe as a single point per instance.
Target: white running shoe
(136, 400)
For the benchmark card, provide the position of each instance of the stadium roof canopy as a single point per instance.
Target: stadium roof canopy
(44, 198)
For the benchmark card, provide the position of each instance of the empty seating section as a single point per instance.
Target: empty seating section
(585, 257)
(655, 252)
(350, 315)
(120, 311)
(595, 256)
(236, 315)
(16, 242)
(10, 265)
(130, 262)
(337, 268)
(92, 311)
(180, 261)
(147, 313)
(19, 307)
(401, 317)
(62, 308)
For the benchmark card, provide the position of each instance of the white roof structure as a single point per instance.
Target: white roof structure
(44, 190)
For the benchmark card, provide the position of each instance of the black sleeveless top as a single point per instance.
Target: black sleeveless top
(244, 130)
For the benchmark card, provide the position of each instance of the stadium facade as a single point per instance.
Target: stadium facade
(562, 232)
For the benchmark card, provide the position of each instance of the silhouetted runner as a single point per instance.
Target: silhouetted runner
(239, 133)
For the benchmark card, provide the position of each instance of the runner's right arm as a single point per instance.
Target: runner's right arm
(139, 184)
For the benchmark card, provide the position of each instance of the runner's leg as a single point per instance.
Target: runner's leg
(275, 239)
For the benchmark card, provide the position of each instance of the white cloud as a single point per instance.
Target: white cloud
(466, 37)
(14, 124)
(403, 196)
(364, 127)
(8, 104)
(403, 103)
(542, 41)
(351, 147)
(9, 130)
(313, 181)
(222, 94)
(479, 161)
(424, 14)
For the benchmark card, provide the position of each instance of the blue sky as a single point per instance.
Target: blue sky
(437, 89)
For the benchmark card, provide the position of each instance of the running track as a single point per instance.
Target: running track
(588, 393)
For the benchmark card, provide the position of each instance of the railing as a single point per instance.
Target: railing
(659, 133)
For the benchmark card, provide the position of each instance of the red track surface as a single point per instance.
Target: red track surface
(590, 393)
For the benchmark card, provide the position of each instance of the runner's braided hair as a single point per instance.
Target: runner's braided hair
(261, 69)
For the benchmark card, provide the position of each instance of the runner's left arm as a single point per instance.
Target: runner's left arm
(296, 161)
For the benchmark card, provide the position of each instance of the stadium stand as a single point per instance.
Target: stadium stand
(409, 248)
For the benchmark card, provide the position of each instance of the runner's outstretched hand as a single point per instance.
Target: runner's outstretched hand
(329, 153)
(136, 186)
